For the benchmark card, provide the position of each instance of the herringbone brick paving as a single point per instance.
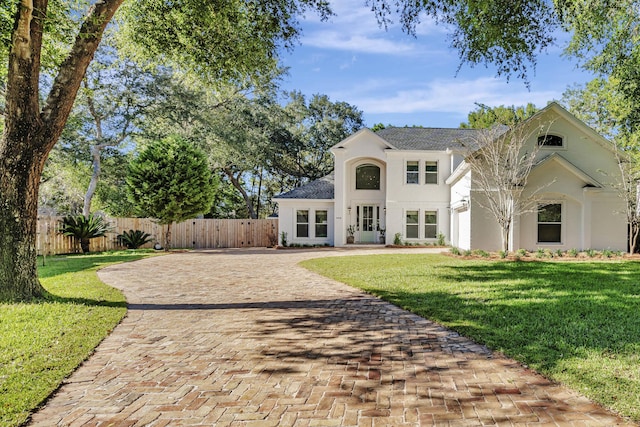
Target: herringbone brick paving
(248, 338)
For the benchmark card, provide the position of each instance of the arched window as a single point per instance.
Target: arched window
(550, 141)
(367, 177)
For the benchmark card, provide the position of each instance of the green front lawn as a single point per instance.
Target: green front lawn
(576, 323)
(42, 342)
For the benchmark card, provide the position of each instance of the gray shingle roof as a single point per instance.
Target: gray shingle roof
(432, 139)
(322, 188)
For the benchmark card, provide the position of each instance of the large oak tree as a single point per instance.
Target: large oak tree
(236, 39)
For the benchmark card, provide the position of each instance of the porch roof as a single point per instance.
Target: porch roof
(322, 188)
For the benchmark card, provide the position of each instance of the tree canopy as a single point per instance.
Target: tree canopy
(170, 181)
(47, 46)
(485, 117)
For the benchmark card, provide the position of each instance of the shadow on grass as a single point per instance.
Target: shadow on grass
(539, 312)
(52, 298)
(61, 264)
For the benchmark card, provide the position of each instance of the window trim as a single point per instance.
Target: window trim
(325, 223)
(308, 211)
(416, 225)
(355, 176)
(427, 173)
(424, 226)
(407, 172)
(559, 223)
(551, 147)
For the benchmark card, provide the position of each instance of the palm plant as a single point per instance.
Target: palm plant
(83, 229)
(133, 239)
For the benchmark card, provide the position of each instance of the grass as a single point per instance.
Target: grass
(576, 323)
(42, 342)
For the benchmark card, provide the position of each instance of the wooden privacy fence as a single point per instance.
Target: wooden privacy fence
(194, 233)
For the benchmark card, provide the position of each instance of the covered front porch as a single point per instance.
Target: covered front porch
(366, 223)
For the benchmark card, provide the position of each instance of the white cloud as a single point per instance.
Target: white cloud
(355, 28)
(363, 43)
(443, 96)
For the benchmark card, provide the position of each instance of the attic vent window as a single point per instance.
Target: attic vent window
(550, 141)
(367, 177)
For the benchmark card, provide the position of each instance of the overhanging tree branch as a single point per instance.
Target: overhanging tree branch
(66, 84)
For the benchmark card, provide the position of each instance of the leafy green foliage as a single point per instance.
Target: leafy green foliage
(509, 34)
(170, 181)
(235, 40)
(305, 131)
(573, 322)
(485, 117)
(133, 239)
(83, 229)
(397, 239)
(606, 39)
(43, 341)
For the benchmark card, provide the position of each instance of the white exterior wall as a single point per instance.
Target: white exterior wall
(581, 181)
(341, 219)
(423, 197)
(591, 217)
(608, 222)
(461, 212)
(364, 147)
(485, 232)
(287, 220)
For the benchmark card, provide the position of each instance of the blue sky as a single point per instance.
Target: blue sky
(397, 79)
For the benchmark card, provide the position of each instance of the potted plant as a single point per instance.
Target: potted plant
(350, 232)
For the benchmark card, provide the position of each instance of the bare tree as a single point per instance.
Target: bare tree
(629, 190)
(500, 160)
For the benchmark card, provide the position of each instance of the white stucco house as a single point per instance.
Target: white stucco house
(414, 181)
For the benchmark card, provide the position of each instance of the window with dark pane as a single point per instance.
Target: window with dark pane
(550, 223)
(413, 172)
(430, 224)
(321, 223)
(302, 223)
(412, 225)
(550, 141)
(367, 177)
(431, 173)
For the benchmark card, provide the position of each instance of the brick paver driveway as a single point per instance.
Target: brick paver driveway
(246, 337)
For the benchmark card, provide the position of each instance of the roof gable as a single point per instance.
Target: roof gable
(566, 164)
(353, 139)
(566, 115)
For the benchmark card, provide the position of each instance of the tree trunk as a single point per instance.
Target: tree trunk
(19, 183)
(167, 238)
(31, 132)
(245, 196)
(93, 184)
(505, 237)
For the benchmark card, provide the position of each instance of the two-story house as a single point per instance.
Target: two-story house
(415, 182)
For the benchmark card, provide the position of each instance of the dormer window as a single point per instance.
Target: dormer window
(550, 141)
(367, 177)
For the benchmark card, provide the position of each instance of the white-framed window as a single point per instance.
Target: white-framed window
(321, 223)
(367, 177)
(551, 141)
(302, 223)
(412, 226)
(430, 224)
(413, 172)
(430, 172)
(550, 223)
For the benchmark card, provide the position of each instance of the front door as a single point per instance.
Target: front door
(367, 222)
